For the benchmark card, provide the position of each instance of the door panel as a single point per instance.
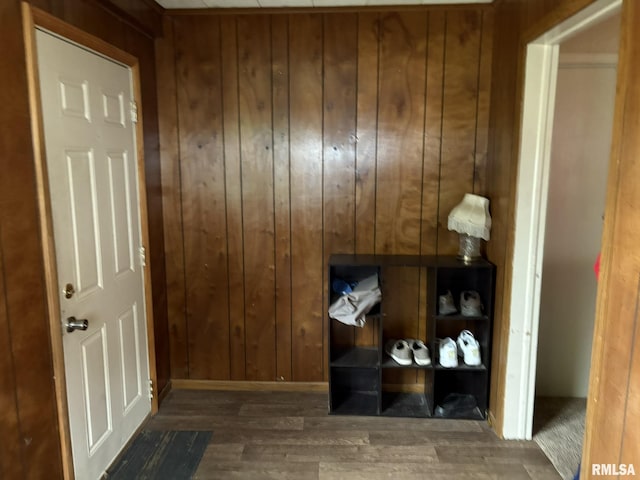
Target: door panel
(129, 353)
(97, 402)
(120, 211)
(83, 203)
(93, 184)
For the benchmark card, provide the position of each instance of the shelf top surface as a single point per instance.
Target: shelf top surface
(446, 261)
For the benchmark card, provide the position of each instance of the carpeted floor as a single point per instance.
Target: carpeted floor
(558, 428)
(161, 455)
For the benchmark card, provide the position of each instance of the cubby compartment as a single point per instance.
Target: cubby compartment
(354, 391)
(400, 401)
(365, 380)
(460, 393)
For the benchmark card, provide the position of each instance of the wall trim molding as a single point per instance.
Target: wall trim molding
(248, 386)
(585, 60)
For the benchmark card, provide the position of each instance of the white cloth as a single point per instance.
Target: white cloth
(352, 308)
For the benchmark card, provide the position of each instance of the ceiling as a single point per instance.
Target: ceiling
(174, 4)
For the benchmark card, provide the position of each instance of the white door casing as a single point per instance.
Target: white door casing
(94, 198)
(530, 216)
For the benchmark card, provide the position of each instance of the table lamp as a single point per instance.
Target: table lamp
(471, 219)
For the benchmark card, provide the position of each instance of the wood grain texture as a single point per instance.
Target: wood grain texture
(614, 388)
(203, 196)
(515, 23)
(353, 103)
(10, 467)
(459, 109)
(367, 132)
(366, 147)
(282, 193)
(483, 104)
(400, 132)
(305, 97)
(339, 142)
(234, 204)
(434, 83)
(172, 207)
(256, 150)
(297, 439)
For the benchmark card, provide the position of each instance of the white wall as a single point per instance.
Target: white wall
(579, 163)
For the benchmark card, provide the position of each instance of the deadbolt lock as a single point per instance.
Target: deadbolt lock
(68, 291)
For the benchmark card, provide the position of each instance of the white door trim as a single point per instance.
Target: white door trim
(531, 205)
(35, 18)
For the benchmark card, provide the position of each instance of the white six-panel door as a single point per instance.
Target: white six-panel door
(92, 171)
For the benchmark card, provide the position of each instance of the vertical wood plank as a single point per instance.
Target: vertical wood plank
(630, 444)
(11, 460)
(305, 83)
(378, 194)
(432, 133)
(24, 290)
(282, 194)
(367, 132)
(171, 206)
(233, 185)
(501, 175)
(458, 118)
(256, 144)
(400, 132)
(483, 104)
(94, 20)
(203, 196)
(614, 386)
(339, 131)
(366, 148)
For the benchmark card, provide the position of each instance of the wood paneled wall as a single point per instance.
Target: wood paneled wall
(29, 425)
(288, 137)
(612, 412)
(613, 408)
(514, 20)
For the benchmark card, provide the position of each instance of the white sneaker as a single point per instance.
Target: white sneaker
(448, 353)
(445, 304)
(400, 351)
(469, 348)
(470, 304)
(420, 352)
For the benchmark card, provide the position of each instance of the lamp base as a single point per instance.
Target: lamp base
(469, 250)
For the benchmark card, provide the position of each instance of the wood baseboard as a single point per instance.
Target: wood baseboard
(165, 391)
(249, 386)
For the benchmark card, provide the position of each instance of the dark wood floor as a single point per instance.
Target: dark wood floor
(282, 435)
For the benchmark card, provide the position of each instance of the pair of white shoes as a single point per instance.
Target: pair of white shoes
(470, 304)
(405, 352)
(467, 347)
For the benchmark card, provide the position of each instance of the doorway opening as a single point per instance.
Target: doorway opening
(580, 148)
(532, 207)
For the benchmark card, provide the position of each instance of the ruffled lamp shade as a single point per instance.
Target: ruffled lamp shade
(471, 219)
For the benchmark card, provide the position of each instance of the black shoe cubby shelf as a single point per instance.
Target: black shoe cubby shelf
(359, 367)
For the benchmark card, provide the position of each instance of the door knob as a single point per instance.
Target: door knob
(74, 324)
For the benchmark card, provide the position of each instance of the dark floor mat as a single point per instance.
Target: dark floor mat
(157, 455)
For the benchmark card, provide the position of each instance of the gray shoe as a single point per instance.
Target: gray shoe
(470, 304)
